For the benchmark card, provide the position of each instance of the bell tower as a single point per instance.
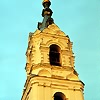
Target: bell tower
(50, 63)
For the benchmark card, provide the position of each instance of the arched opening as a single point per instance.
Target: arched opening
(54, 55)
(59, 96)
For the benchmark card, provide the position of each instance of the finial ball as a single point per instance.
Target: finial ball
(45, 0)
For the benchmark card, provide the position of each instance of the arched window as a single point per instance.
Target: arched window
(59, 96)
(54, 55)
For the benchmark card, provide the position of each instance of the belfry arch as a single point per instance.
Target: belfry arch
(55, 55)
(59, 96)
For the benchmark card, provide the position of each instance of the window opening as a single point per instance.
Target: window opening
(54, 55)
(59, 96)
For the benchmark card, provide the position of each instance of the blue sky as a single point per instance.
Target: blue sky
(79, 19)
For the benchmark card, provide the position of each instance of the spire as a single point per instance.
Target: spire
(46, 13)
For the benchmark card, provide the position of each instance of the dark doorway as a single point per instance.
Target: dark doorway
(54, 55)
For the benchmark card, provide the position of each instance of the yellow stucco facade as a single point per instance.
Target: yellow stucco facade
(50, 67)
(50, 63)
